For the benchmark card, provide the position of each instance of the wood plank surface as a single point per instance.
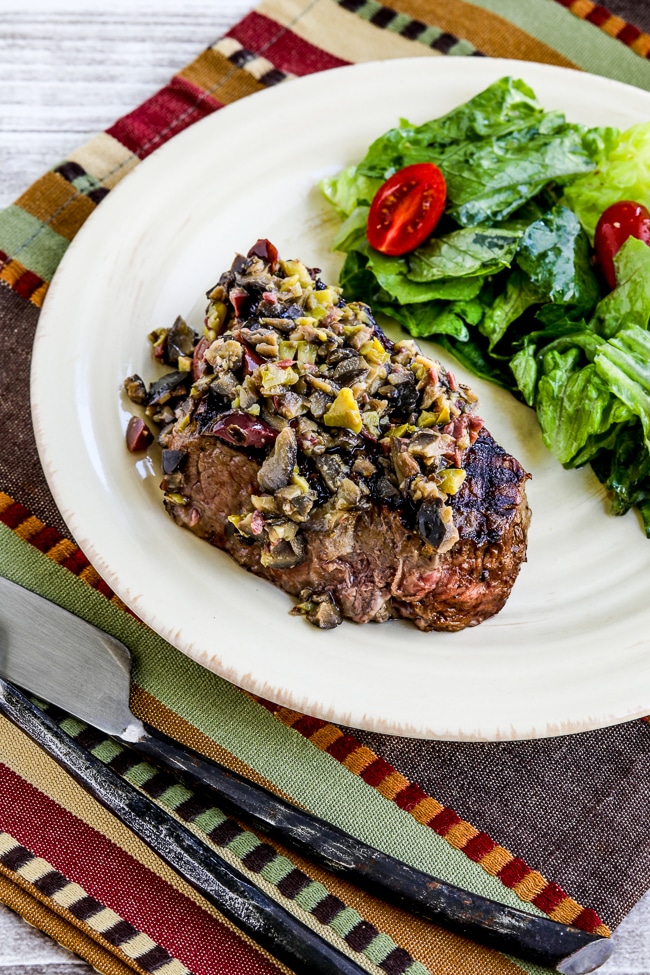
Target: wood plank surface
(68, 69)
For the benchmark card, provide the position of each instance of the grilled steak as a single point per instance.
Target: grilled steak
(350, 472)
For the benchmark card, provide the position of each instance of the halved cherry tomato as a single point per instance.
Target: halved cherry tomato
(616, 224)
(406, 208)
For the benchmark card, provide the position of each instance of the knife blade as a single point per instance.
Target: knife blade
(86, 672)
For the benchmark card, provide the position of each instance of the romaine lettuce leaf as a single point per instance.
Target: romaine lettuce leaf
(519, 294)
(392, 276)
(487, 181)
(503, 107)
(464, 253)
(432, 318)
(525, 370)
(348, 189)
(401, 289)
(629, 302)
(573, 405)
(624, 364)
(352, 233)
(475, 358)
(357, 280)
(624, 469)
(554, 253)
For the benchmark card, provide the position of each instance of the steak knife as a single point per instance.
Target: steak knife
(68, 662)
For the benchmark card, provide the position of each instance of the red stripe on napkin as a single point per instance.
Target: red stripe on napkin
(287, 51)
(177, 106)
(137, 894)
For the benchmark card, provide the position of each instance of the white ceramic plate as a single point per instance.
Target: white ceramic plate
(569, 651)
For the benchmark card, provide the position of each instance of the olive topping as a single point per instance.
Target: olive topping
(180, 342)
(266, 250)
(173, 460)
(242, 430)
(135, 389)
(276, 470)
(337, 415)
(172, 384)
(435, 526)
(138, 435)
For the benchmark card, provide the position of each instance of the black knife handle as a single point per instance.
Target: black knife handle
(264, 921)
(515, 932)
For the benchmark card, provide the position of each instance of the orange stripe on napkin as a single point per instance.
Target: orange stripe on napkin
(512, 871)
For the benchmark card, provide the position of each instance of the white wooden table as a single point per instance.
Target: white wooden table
(68, 68)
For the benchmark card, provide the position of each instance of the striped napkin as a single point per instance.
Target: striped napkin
(559, 826)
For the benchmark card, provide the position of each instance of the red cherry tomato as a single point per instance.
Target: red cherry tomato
(406, 208)
(616, 224)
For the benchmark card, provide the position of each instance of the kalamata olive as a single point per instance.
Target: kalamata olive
(332, 469)
(241, 430)
(251, 359)
(240, 300)
(403, 398)
(616, 224)
(384, 490)
(266, 250)
(199, 365)
(173, 460)
(292, 311)
(430, 524)
(180, 341)
(135, 389)
(172, 384)
(349, 370)
(276, 470)
(138, 435)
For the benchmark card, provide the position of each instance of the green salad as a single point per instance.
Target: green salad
(507, 280)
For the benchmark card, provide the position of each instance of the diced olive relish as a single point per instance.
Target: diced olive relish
(339, 415)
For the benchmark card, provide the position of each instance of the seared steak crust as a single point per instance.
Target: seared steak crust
(374, 566)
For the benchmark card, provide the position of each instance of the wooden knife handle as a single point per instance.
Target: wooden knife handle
(264, 921)
(538, 939)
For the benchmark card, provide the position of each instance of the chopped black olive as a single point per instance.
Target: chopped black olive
(180, 340)
(173, 384)
(173, 460)
(430, 524)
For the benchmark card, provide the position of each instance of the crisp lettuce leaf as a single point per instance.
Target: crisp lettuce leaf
(432, 318)
(357, 280)
(624, 364)
(392, 276)
(525, 369)
(474, 356)
(469, 252)
(519, 294)
(573, 405)
(623, 174)
(554, 253)
(488, 181)
(624, 468)
(384, 280)
(349, 189)
(629, 302)
(503, 107)
(352, 233)
(400, 288)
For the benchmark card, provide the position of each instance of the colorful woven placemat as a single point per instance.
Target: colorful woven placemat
(558, 826)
